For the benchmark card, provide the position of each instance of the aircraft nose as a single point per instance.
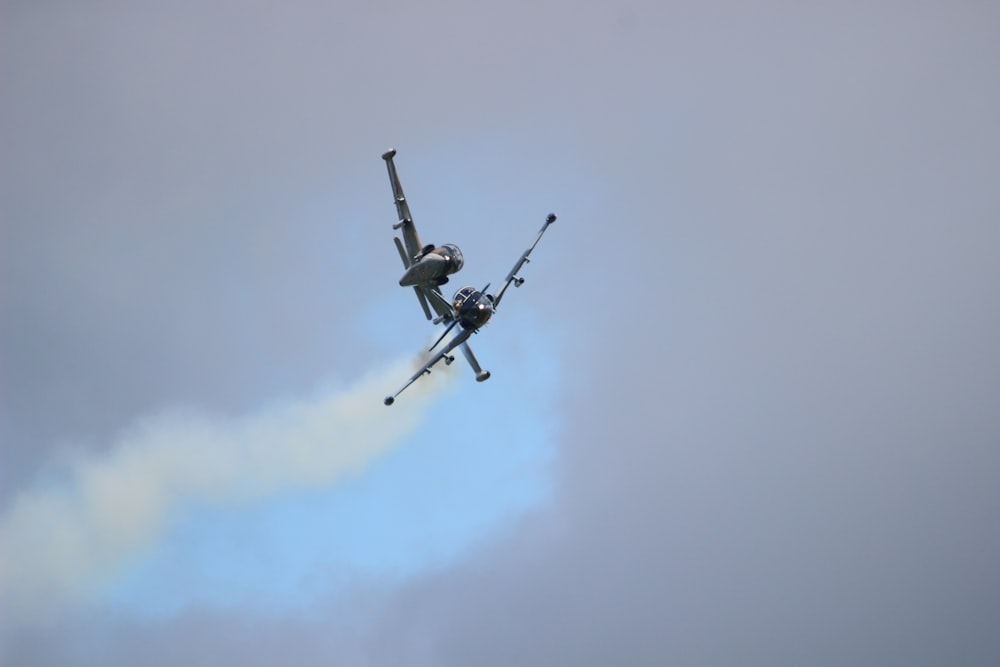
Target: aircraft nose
(477, 313)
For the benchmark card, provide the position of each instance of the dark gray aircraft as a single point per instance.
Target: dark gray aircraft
(427, 268)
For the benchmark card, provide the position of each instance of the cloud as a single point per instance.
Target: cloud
(58, 542)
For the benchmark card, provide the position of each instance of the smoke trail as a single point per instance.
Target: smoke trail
(58, 542)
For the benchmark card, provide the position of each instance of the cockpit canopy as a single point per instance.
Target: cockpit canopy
(452, 255)
(473, 307)
(461, 296)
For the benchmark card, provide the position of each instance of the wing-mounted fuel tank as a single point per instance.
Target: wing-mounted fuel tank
(433, 265)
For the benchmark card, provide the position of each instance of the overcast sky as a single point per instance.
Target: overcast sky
(745, 409)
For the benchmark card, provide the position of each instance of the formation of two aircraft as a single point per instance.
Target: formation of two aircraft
(427, 268)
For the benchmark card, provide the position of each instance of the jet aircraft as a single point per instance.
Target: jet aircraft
(427, 267)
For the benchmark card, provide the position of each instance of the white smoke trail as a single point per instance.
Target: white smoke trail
(58, 542)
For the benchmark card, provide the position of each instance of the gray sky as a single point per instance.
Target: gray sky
(768, 316)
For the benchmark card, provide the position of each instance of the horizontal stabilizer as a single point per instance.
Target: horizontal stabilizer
(402, 252)
(423, 302)
(442, 306)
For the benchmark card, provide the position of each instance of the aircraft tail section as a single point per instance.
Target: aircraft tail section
(402, 253)
(416, 288)
(423, 302)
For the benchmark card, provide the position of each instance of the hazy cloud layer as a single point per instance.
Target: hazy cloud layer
(777, 260)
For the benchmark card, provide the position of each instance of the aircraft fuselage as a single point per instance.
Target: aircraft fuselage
(474, 308)
(433, 266)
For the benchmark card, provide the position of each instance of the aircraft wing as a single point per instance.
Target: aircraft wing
(416, 288)
(441, 305)
(429, 297)
(512, 277)
(426, 368)
(405, 224)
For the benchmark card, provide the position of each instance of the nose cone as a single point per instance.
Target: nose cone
(476, 312)
(428, 268)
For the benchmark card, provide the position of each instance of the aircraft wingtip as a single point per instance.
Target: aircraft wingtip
(389, 154)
